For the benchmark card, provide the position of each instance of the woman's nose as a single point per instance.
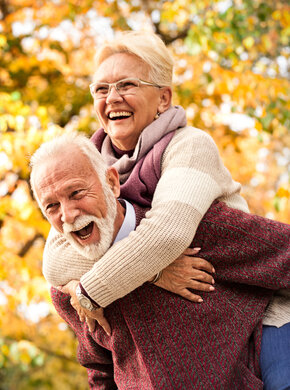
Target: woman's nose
(113, 95)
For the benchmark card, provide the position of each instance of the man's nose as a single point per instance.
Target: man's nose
(69, 213)
(113, 95)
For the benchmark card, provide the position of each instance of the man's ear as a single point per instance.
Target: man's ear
(112, 178)
(165, 99)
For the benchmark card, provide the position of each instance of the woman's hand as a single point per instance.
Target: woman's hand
(85, 315)
(187, 272)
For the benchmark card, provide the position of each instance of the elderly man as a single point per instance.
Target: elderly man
(159, 340)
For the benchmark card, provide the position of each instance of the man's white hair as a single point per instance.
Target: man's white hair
(54, 148)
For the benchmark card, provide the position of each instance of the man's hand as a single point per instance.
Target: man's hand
(84, 314)
(187, 272)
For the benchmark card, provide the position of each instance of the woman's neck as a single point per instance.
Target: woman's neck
(119, 153)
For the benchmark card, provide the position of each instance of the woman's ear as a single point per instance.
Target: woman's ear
(165, 99)
(112, 177)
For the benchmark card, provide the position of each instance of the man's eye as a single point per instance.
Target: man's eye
(50, 206)
(76, 193)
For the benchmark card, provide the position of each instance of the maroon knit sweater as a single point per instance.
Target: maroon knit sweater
(162, 341)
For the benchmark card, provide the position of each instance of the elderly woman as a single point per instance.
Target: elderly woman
(173, 168)
(141, 130)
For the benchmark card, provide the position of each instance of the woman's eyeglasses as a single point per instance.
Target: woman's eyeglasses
(127, 86)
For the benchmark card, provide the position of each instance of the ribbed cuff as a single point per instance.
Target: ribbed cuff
(87, 295)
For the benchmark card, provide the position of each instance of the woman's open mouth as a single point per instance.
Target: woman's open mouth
(119, 115)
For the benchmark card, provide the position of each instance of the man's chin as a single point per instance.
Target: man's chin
(89, 251)
(92, 251)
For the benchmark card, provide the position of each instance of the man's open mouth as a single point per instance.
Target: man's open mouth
(85, 232)
(119, 115)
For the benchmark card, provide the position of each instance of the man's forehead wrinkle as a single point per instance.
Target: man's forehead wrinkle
(49, 186)
(68, 186)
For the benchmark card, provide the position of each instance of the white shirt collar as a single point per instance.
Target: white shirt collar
(129, 223)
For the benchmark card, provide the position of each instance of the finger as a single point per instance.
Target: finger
(201, 276)
(82, 316)
(75, 305)
(191, 251)
(63, 289)
(69, 288)
(195, 285)
(91, 323)
(73, 302)
(200, 263)
(105, 325)
(185, 293)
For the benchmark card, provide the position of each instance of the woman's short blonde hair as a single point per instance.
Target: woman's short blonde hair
(146, 46)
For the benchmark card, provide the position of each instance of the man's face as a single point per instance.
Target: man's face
(73, 200)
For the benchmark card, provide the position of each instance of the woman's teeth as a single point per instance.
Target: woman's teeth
(119, 114)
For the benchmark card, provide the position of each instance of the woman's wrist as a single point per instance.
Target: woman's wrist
(156, 278)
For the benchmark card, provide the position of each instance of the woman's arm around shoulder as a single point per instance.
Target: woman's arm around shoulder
(192, 177)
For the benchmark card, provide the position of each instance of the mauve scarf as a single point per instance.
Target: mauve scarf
(170, 120)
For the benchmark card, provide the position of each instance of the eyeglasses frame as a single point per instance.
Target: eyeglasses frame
(110, 85)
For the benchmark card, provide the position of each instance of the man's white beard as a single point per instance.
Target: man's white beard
(105, 226)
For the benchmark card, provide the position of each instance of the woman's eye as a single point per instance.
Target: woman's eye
(101, 89)
(127, 84)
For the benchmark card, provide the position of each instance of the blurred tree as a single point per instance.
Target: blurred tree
(231, 76)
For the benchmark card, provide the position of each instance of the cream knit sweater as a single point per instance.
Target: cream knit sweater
(192, 177)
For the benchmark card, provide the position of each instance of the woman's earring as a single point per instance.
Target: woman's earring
(157, 115)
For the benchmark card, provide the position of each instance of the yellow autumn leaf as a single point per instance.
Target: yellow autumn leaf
(248, 42)
(5, 350)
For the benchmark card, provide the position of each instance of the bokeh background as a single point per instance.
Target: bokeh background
(231, 76)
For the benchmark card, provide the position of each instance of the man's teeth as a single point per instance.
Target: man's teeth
(84, 237)
(84, 232)
(118, 114)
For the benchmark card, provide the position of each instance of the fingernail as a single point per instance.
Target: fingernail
(197, 249)
(200, 300)
(211, 288)
(213, 270)
(212, 281)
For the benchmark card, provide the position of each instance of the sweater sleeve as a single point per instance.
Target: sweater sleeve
(192, 177)
(90, 354)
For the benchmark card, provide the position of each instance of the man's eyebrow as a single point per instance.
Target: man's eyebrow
(47, 199)
(69, 188)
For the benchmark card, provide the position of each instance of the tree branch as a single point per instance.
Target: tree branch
(29, 244)
(171, 38)
(4, 9)
(44, 350)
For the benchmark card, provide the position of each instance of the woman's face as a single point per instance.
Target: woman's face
(125, 117)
